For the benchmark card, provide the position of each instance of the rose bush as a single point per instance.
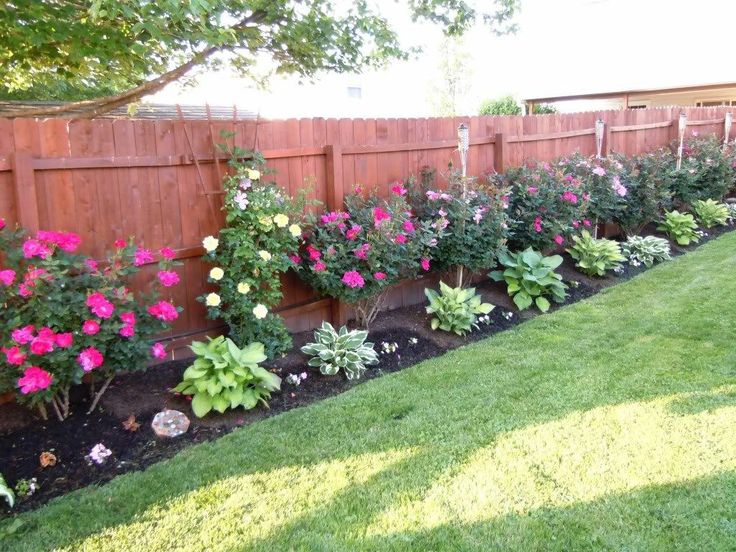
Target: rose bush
(707, 170)
(355, 255)
(257, 245)
(67, 317)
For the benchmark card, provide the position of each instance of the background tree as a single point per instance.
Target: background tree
(454, 70)
(107, 53)
(507, 105)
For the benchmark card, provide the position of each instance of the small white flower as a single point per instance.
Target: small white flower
(217, 273)
(265, 255)
(210, 243)
(260, 311)
(413, 341)
(212, 300)
(99, 454)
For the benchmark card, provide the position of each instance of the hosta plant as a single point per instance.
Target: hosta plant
(455, 309)
(226, 376)
(6, 492)
(710, 213)
(531, 278)
(646, 250)
(343, 350)
(680, 227)
(595, 256)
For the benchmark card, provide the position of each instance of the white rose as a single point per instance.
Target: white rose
(210, 243)
(260, 311)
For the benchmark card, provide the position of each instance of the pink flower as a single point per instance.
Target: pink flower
(532, 189)
(314, 254)
(119, 244)
(586, 222)
(398, 189)
(14, 356)
(619, 188)
(319, 266)
(163, 310)
(90, 327)
(34, 248)
(127, 331)
(158, 351)
(569, 197)
(408, 226)
(295, 258)
(586, 197)
(333, 216)
(128, 317)
(7, 277)
(400, 239)
(64, 340)
(559, 240)
(142, 256)
(34, 379)
(353, 279)
(167, 253)
(68, 241)
(353, 232)
(434, 196)
(2, 223)
(362, 251)
(425, 263)
(99, 305)
(24, 290)
(43, 343)
(576, 224)
(168, 278)
(380, 275)
(538, 224)
(91, 264)
(600, 171)
(90, 358)
(23, 335)
(379, 215)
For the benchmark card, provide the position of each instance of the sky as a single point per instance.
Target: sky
(562, 47)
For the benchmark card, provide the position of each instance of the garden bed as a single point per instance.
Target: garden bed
(23, 437)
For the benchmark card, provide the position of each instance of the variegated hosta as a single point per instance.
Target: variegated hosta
(6, 492)
(225, 376)
(646, 250)
(344, 350)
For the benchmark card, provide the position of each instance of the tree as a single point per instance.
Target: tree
(108, 53)
(454, 70)
(507, 105)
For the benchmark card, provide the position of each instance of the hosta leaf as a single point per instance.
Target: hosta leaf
(201, 405)
(542, 303)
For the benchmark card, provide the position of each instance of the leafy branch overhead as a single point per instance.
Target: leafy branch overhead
(105, 53)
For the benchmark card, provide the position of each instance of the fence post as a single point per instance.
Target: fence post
(24, 185)
(606, 149)
(335, 202)
(499, 152)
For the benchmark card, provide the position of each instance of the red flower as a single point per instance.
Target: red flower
(314, 254)
(379, 215)
(119, 244)
(163, 310)
(34, 379)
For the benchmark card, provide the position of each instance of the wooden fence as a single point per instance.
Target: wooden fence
(160, 180)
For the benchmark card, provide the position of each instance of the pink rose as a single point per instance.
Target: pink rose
(398, 189)
(163, 310)
(424, 262)
(7, 277)
(91, 264)
(158, 351)
(142, 256)
(532, 189)
(99, 305)
(600, 171)
(362, 251)
(586, 222)
(24, 290)
(119, 244)
(576, 224)
(34, 379)
(380, 275)
(353, 232)
(90, 327)
(34, 248)
(128, 318)
(400, 239)
(295, 258)
(353, 279)
(167, 253)
(23, 335)
(2, 223)
(408, 226)
(14, 355)
(319, 266)
(559, 239)
(379, 215)
(538, 224)
(127, 331)
(64, 340)
(314, 254)
(168, 278)
(90, 358)
(44, 342)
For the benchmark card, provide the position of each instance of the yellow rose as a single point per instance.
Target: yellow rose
(295, 230)
(281, 220)
(265, 255)
(266, 222)
(254, 174)
(243, 287)
(260, 311)
(212, 300)
(210, 243)
(217, 273)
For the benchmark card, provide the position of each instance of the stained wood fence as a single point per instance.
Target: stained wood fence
(161, 180)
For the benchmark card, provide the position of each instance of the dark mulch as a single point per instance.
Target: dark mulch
(23, 437)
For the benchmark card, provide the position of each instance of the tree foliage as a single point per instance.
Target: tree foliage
(507, 105)
(65, 49)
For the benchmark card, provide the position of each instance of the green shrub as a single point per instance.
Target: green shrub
(710, 212)
(531, 277)
(344, 350)
(225, 376)
(680, 227)
(455, 309)
(6, 492)
(646, 250)
(706, 173)
(505, 105)
(595, 256)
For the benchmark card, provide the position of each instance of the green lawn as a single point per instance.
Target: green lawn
(608, 425)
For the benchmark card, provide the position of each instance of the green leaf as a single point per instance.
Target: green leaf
(201, 405)
(542, 304)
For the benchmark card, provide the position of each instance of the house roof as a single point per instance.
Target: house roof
(629, 92)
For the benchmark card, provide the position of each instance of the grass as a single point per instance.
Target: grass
(607, 425)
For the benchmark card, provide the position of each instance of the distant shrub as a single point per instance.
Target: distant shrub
(505, 105)
(707, 171)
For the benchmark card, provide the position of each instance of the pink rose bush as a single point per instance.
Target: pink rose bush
(357, 254)
(68, 316)
(259, 243)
